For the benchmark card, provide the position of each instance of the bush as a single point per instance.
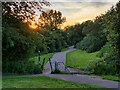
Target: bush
(20, 67)
(103, 68)
(91, 43)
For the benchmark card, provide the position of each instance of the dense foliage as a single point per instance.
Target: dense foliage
(50, 19)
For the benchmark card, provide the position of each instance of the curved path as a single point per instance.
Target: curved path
(92, 80)
(58, 57)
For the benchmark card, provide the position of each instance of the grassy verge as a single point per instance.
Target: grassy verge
(107, 77)
(41, 82)
(110, 77)
(79, 59)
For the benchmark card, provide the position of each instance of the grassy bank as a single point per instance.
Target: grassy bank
(41, 82)
(79, 59)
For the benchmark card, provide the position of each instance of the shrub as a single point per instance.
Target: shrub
(91, 43)
(20, 67)
(103, 68)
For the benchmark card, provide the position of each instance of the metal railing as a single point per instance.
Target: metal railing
(97, 62)
(66, 68)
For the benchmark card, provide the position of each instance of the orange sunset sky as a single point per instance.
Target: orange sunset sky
(77, 11)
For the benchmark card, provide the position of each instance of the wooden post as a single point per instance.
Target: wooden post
(43, 63)
(50, 64)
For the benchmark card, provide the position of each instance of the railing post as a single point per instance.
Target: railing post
(56, 65)
(50, 64)
(43, 64)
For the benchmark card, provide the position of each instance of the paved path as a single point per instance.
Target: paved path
(86, 79)
(92, 80)
(58, 57)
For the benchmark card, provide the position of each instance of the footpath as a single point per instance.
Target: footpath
(86, 79)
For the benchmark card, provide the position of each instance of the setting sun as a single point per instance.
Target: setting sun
(33, 25)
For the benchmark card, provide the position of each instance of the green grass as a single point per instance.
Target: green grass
(0, 83)
(79, 59)
(35, 57)
(64, 49)
(41, 82)
(106, 77)
(110, 77)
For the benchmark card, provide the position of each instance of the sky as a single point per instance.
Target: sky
(78, 11)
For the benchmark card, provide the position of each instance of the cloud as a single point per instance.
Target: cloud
(80, 10)
(83, 0)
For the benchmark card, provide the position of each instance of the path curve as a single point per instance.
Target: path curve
(58, 57)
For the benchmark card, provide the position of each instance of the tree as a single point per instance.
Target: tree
(112, 22)
(18, 39)
(51, 18)
(22, 10)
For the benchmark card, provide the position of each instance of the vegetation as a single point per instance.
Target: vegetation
(110, 77)
(106, 77)
(101, 34)
(79, 59)
(20, 42)
(51, 19)
(41, 82)
(20, 67)
(46, 56)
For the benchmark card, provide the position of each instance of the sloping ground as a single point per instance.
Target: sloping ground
(79, 59)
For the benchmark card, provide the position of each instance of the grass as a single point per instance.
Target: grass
(110, 77)
(1, 83)
(64, 49)
(41, 82)
(107, 77)
(47, 56)
(79, 59)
